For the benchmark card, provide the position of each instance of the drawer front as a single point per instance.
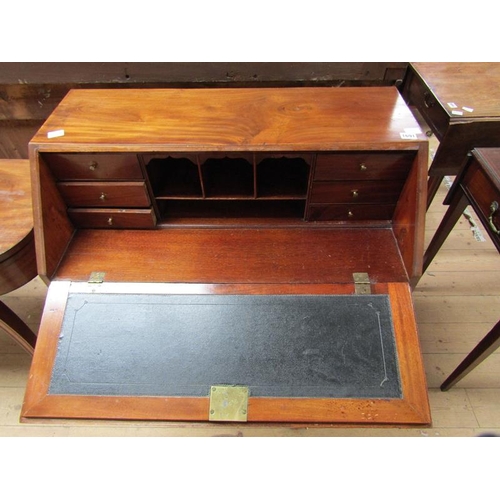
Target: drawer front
(363, 166)
(356, 192)
(483, 193)
(105, 194)
(76, 166)
(112, 218)
(431, 109)
(345, 212)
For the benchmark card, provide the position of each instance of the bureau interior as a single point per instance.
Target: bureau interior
(339, 190)
(348, 186)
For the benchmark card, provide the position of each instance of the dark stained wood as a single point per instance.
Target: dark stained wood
(222, 123)
(15, 137)
(104, 194)
(234, 255)
(216, 235)
(17, 329)
(474, 85)
(477, 185)
(362, 166)
(412, 409)
(19, 267)
(488, 345)
(71, 167)
(16, 219)
(17, 250)
(53, 229)
(17, 245)
(431, 87)
(409, 218)
(192, 73)
(352, 212)
(127, 218)
(357, 192)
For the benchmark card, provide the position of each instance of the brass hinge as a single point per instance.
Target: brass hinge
(228, 403)
(362, 285)
(96, 277)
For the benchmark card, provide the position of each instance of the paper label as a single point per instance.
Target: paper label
(407, 136)
(452, 105)
(55, 133)
(459, 113)
(465, 108)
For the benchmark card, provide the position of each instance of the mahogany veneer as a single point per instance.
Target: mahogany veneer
(248, 191)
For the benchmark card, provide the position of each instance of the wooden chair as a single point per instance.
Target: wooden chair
(17, 245)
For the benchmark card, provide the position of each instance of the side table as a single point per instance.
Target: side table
(478, 185)
(460, 103)
(17, 246)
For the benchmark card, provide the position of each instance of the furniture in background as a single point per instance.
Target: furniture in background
(17, 244)
(477, 185)
(460, 103)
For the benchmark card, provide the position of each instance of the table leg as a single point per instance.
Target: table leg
(432, 188)
(17, 329)
(487, 346)
(458, 204)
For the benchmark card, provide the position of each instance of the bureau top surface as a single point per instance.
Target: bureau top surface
(473, 85)
(229, 120)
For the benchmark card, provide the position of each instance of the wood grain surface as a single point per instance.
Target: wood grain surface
(473, 85)
(17, 247)
(227, 119)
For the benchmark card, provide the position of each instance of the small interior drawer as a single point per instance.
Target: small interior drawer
(105, 194)
(112, 218)
(346, 212)
(356, 192)
(81, 166)
(363, 166)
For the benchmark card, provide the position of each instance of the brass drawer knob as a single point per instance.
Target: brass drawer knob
(355, 193)
(102, 197)
(93, 165)
(110, 221)
(363, 167)
(350, 214)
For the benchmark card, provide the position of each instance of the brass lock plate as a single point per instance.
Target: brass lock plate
(228, 403)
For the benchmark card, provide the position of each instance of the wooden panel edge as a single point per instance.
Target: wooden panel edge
(409, 216)
(49, 214)
(46, 347)
(412, 371)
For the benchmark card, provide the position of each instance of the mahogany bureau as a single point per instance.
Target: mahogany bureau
(230, 255)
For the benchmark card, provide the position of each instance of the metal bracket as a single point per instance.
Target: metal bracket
(228, 403)
(96, 277)
(362, 285)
